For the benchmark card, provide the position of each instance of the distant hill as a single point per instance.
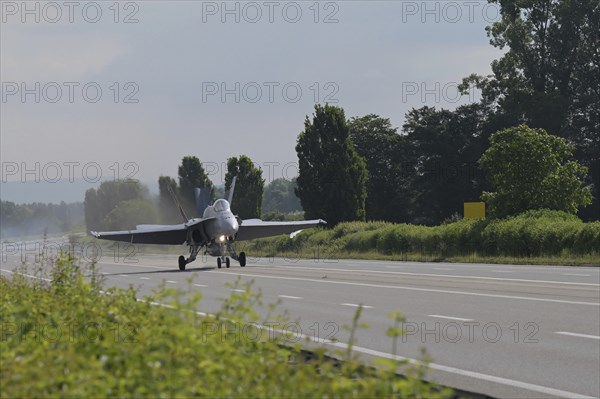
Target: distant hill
(46, 192)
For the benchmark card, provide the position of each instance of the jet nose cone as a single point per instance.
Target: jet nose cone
(232, 227)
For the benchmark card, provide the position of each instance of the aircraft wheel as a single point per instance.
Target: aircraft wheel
(219, 263)
(182, 262)
(242, 259)
(227, 263)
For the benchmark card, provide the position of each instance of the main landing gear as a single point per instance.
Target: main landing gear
(182, 261)
(231, 248)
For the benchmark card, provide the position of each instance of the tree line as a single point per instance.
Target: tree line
(38, 218)
(363, 169)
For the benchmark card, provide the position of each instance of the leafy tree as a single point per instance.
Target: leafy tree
(99, 203)
(332, 180)
(192, 175)
(530, 169)
(279, 196)
(128, 214)
(549, 74)
(550, 71)
(381, 146)
(167, 207)
(249, 186)
(440, 151)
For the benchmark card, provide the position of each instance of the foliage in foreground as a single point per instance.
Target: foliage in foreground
(540, 233)
(69, 338)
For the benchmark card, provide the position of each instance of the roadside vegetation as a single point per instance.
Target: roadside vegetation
(65, 335)
(535, 237)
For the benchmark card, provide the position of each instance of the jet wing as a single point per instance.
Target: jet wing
(256, 228)
(152, 234)
(175, 234)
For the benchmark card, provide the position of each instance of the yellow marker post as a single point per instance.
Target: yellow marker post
(474, 210)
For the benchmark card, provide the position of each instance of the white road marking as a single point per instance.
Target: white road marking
(123, 275)
(501, 271)
(26, 275)
(449, 317)
(238, 290)
(354, 305)
(322, 269)
(396, 287)
(200, 285)
(144, 278)
(171, 281)
(577, 275)
(577, 335)
(442, 268)
(290, 297)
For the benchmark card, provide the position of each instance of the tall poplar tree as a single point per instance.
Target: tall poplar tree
(332, 180)
(191, 175)
(249, 186)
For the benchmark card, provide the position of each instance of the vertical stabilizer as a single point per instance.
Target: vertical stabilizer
(176, 201)
(202, 196)
(231, 190)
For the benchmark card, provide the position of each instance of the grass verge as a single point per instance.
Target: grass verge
(535, 237)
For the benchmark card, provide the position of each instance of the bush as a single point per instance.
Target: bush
(538, 233)
(547, 214)
(362, 241)
(587, 239)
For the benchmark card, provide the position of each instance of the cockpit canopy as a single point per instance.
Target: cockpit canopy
(221, 205)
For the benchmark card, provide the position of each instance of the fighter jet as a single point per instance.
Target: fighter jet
(216, 231)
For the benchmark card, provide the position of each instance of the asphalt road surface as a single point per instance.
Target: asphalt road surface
(502, 330)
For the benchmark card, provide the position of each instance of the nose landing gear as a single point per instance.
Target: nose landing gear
(222, 259)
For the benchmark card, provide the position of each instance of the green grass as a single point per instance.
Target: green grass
(64, 335)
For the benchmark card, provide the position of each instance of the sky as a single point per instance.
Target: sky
(101, 90)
